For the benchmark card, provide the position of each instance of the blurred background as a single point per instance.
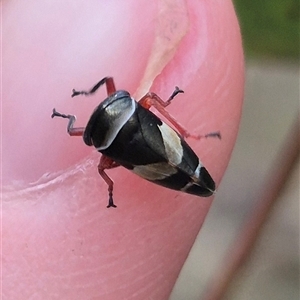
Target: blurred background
(270, 31)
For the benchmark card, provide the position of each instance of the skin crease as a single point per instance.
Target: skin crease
(58, 239)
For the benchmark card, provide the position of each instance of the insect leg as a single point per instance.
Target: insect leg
(105, 164)
(152, 99)
(71, 130)
(148, 100)
(110, 87)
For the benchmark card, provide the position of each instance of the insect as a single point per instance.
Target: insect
(128, 134)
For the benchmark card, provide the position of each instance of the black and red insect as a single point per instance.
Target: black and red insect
(128, 134)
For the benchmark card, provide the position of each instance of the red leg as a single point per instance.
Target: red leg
(71, 130)
(110, 87)
(151, 99)
(105, 164)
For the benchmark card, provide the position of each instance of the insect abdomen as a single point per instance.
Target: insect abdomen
(200, 184)
(155, 152)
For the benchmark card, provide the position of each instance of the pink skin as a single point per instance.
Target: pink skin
(59, 239)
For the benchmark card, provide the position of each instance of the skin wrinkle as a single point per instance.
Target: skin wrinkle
(48, 180)
(134, 282)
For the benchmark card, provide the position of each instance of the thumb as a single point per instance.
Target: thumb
(59, 240)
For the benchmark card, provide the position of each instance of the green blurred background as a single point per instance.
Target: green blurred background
(270, 28)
